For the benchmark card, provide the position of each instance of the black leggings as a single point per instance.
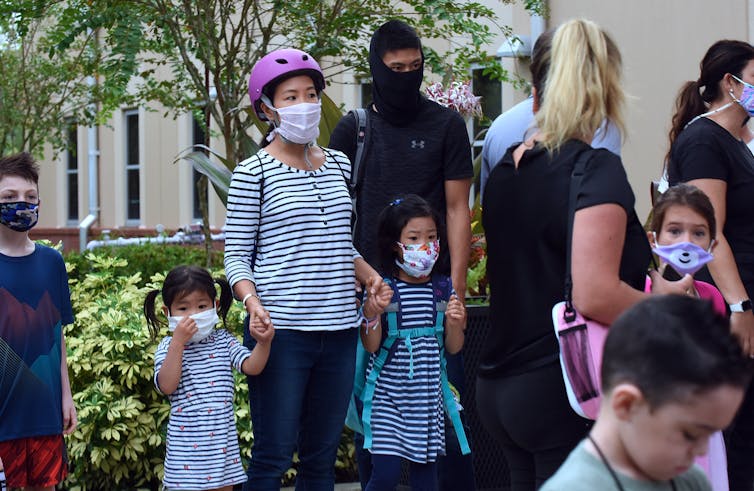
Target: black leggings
(739, 445)
(530, 416)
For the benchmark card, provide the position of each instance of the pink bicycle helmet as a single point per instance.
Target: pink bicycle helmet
(277, 66)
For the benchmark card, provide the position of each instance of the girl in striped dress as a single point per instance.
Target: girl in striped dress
(407, 410)
(193, 368)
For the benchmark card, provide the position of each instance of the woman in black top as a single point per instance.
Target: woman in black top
(706, 150)
(520, 392)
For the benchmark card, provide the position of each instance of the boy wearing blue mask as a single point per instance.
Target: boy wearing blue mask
(36, 405)
(672, 375)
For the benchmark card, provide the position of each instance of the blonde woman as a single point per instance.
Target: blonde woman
(520, 393)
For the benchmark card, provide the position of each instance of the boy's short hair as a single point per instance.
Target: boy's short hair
(670, 346)
(393, 35)
(21, 165)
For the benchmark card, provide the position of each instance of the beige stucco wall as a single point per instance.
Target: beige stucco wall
(662, 43)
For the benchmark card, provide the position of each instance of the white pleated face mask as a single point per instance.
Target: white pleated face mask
(298, 123)
(205, 323)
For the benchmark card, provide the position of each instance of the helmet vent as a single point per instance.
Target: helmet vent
(305, 57)
(282, 61)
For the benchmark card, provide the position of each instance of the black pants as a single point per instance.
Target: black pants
(530, 416)
(739, 445)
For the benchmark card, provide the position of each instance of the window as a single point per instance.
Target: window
(492, 104)
(198, 136)
(72, 174)
(366, 92)
(133, 197)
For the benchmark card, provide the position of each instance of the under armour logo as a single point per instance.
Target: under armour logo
(417, 143)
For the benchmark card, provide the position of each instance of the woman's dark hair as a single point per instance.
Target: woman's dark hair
(181, 281)
(673, 346)
(683, 195)
(726, 56)
(393, 35)
(390, 224)
(540, 62)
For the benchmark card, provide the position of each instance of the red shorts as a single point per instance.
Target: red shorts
(39, 461)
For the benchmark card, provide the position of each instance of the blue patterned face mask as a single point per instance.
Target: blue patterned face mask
(19, 215)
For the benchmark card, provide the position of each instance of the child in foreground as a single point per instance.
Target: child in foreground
(672, 375)
(193, 368)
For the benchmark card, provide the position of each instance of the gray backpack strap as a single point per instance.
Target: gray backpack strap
(362, 130)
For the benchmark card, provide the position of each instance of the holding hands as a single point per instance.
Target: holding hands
(260, 324)
(455, 314)
(378, 296)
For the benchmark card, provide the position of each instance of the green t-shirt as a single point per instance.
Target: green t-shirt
(584, 471)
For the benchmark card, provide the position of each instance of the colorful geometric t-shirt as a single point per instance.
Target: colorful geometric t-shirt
(35, 303)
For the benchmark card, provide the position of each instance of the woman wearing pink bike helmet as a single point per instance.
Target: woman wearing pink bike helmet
(291, 262)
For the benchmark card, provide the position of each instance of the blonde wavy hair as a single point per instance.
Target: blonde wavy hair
(583, 86)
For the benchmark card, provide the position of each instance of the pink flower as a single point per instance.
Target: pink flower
(457, 97)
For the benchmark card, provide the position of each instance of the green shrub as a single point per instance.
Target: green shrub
(119, 443)
(147, 259)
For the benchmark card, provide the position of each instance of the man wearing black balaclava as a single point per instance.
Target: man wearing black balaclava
(413, 146)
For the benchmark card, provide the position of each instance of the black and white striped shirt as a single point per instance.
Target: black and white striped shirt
(301, 234)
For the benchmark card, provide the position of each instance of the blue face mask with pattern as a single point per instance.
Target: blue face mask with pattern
(19, 215)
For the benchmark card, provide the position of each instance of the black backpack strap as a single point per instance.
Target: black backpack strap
(577, 175)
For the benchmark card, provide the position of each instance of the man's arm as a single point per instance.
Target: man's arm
(343, 136)
(458, 220)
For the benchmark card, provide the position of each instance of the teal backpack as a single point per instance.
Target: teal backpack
(359, 414)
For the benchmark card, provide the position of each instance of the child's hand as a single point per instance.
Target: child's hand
(261, 332)
(379, 296)
(455, 313)
(258, 315)
(185, 330)
(259, 321)
(684, 286)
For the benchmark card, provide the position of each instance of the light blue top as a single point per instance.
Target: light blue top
(511, 126)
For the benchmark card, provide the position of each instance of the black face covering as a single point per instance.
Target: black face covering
(395, 94)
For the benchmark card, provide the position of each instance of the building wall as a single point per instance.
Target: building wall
(661, 42)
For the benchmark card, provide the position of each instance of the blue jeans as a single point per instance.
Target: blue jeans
(299, 401)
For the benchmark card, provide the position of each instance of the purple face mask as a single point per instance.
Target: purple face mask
(747, 97)
(684, 257)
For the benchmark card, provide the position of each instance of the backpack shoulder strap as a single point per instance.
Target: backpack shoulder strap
(357, 166)
(362, 127)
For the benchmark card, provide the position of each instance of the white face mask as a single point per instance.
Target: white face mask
(298, 123)
(205, 323)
